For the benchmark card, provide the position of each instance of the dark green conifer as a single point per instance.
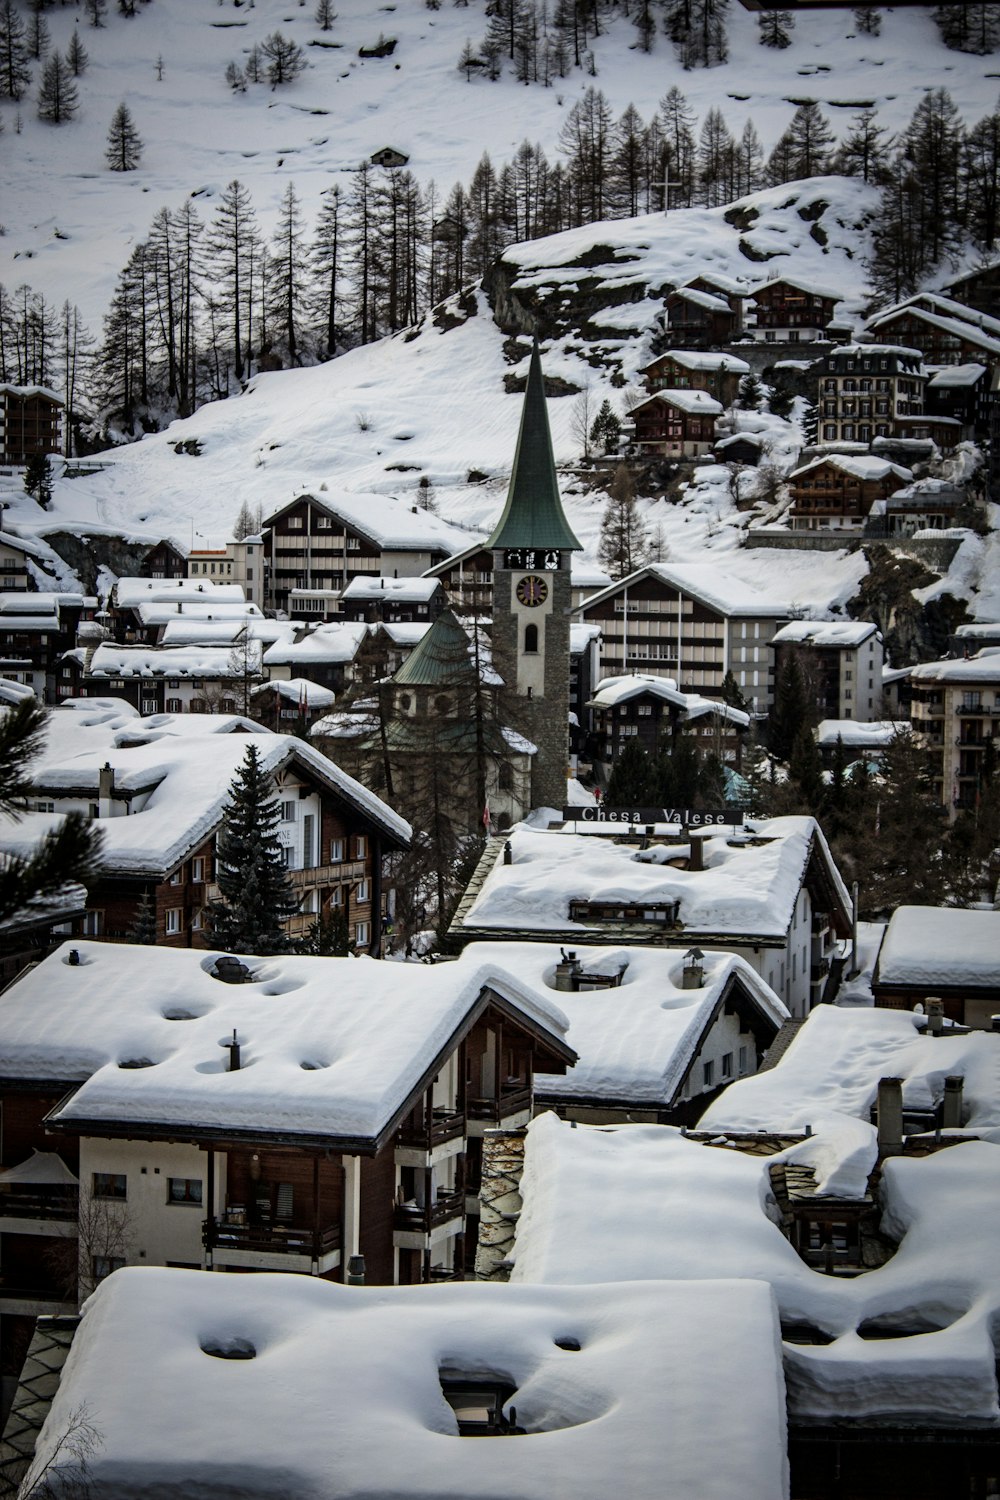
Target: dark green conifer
(257, 896)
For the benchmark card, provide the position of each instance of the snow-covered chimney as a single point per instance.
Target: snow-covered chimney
(890, 1116)
(566, 970)
(694, 969)
(696, 859)
(935, 1016)
(234, 1055)
(951, 1112)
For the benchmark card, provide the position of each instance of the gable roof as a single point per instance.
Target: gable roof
(334, 1049)
(533, 515)
(709, 583)
(442, 656)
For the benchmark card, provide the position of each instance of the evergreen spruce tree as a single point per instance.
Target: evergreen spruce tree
(731, 694)
(864, 151)
(606, 430)
(750, 393)
(124, 146)
(790, 710)
(96, 11)
(70, 851)
(257, 896)
(143, 930)
(897, 847)
(633, 779)
(805, 768)
(868, 20)
(77, 55)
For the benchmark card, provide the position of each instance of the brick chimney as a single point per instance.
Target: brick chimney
(890, 1116)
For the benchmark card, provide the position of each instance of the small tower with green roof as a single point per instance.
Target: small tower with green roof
(532, 547)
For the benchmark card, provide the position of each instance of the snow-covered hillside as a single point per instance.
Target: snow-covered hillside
(69, 223)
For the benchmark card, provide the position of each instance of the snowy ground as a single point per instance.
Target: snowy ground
(70, 223)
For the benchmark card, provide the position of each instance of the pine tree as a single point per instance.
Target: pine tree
(749, 162)
(38, 38)
(805, 149)
(676, 121)
(287, 272)
(96, 11)
(776, 27)
(716, 153)
(38, 479)
(229, 243)
(257, 896)
(868, 20)
(750, 392)
(697, 29)
(15, 69)
(805, 769)
(972, 27)
(981, 180)
(70, 851)
(77, 55)
(124, 147)
(606, 429)
(624, 539)
(143, 930)
(57, 94)
(325, 15)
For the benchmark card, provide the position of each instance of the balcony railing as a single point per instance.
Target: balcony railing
(512, 1101)
(33, 1202)
(350, 869)
(270, 1239)
(444, 1125)
(422, 1218)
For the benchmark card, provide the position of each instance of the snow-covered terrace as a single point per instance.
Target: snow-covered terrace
(620, 1389)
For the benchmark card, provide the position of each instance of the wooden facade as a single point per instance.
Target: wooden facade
(31, 423)
(666, 425)
(829, 494)
(720, 376)
(783, 311)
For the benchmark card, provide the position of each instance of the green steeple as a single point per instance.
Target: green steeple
(533, 515)
(441, 657)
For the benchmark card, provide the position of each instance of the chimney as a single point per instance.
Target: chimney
(234, 1054)
(855, 889)
(935, 1016)
(508, 853)
(890, 1116)
(694, 970)
(995, 1023)
(951, 1113)
(105, 790)
(696, 859)
(567, 969)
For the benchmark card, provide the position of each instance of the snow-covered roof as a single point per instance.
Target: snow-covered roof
(867, 350)
(388, 521)
(702, 359)
(299, 691)
(32, 390)
(613, 690)
(813, 288)
(952, 376)
(701, 299)
(332, 1048)
(856, 734)
(714, 584)
(19, 602)
(841, 634)
(410, 590)
(745, 887)
(179, 767)
(635, 1042)
(184, 630)
(622, 1389)
(674, 1208)
(336, 641)
(944, 945)
(182, 661)
(983, 668)
(130, 592)
(864, 466)
(697, 403)
(230, 611)
(956, 327)
(581, 636)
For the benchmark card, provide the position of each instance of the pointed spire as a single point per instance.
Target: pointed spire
(443, 655)
(533, 515)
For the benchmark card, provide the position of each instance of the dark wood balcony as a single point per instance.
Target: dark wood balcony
(419, 1218)
(346, 870)
(443, 1125)
(36, 1202)
(511, 1101)
(270, 1239)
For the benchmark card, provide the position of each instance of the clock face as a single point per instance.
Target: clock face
(532, 591)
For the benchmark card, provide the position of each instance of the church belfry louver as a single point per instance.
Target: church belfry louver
(532, 548)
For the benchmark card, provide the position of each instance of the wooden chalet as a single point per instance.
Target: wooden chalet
(837, 492)
(945, 331)
(675, 423)
(696, 370)
(700, 319)
(787, 311)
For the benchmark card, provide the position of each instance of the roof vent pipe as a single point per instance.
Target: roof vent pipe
(234, 1054)
(890, 1116)
(951, 1112)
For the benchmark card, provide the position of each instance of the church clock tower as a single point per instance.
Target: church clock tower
(532, 547)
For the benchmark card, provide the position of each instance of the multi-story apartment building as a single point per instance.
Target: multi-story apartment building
(31, 422)
(690, 622)
(842, 665)
(241, 562)
(955, 715)
(867, 391)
